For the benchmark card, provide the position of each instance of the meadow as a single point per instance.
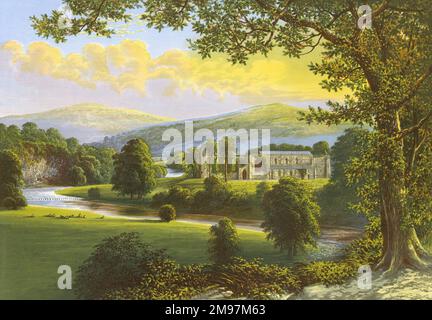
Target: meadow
(251, 212)
(35, 241)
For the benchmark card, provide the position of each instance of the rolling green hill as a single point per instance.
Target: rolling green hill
(88, 122)
(281, 119)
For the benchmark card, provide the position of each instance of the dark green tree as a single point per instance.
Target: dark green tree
(387, 67)
(77, 176)
(290, 216)
(167, 213)
(224, 242)
(321, 148)
(134, 173)
(11, 179)
(347, 147)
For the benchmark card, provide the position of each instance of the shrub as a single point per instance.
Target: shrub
(117, 263)
(223, 242)
(167, 213)
(94, 193)
(168, 281)
(238, 199)
(10, 203)
(179, 196)
(326, 272)
(20, 201)
(256, 280)
(365, 251)
(159, 199)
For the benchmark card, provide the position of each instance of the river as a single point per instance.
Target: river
(330, 243)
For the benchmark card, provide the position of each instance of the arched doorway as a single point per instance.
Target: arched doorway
(244, 174)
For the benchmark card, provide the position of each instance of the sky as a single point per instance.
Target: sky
(141, 69)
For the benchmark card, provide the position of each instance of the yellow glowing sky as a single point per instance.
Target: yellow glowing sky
(129, 65)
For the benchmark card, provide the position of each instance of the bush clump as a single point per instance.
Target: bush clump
(94, 193)
(118, 263)
(177, 196)
(10, 203)
(256, 280)
(169, 281)
(167, 213)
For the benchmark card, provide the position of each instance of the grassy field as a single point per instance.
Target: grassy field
(252, 212)
(33, 246)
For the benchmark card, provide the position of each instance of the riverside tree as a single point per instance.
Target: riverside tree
(11, 180)
(387, 67)
(290, 216)
(134, 170)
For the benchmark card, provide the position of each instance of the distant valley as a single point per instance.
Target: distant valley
(101, 125)
(281, 119)
(88, 122)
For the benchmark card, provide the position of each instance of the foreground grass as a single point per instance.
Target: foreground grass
(252, 212)
(33, 246)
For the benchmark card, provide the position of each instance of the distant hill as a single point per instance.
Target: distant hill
(281, 119)
(88, 122)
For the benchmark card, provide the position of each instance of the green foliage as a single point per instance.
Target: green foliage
(117, 263)
(223, 242)
(256, 280)
(214, 196)
(94, 193)
(321, 148)
(360, 252)
(20, 201)
(77, 176)
(47, 157)
(9, 203)
(347, 148)
(326, 272)
(261, 189)
(176, 195)
(290, 216)
(134, 172)
(289, 147)
(11, 180)
(238, 199)
(168, 281)
(167, 213)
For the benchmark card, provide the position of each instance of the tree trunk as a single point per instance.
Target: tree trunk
(401, 246)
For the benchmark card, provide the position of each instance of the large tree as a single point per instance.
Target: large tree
(134, 170)
(387, 67)
(290, 216)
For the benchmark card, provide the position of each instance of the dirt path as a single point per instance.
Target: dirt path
(407, 285)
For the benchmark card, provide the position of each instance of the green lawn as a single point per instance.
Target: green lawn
(32, 246)
(252, 212)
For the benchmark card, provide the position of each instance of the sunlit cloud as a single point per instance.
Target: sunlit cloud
(129, 66)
